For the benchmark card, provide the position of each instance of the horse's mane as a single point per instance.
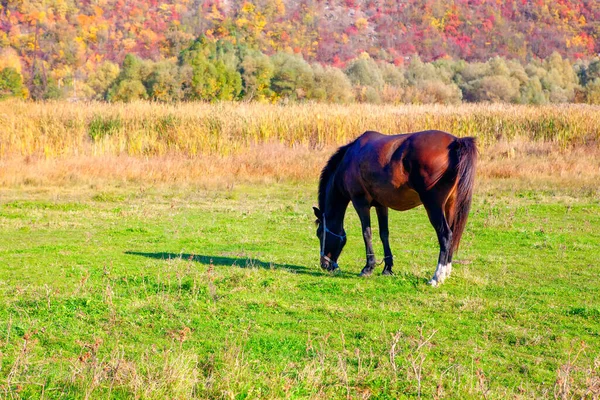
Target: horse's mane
(329, 169)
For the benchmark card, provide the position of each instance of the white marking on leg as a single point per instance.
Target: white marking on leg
(438, 276)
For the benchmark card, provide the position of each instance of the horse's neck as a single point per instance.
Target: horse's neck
(336, 204)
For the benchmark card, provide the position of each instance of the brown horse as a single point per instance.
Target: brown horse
(400, 172)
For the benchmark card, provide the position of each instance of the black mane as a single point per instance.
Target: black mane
(329, 169)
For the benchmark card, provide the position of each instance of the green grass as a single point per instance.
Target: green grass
(154, 293)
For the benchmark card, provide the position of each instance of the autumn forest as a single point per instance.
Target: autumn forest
(375, 51)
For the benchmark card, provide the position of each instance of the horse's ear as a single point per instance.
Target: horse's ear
(318, 213)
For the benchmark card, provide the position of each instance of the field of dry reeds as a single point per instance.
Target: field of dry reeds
(60, 142)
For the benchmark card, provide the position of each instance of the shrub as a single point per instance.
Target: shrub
(256, 71)
(433, 91)
(365, 72)
(102, 78)
(127, 90)
(331, 85)
(164, 82)
(11, 84)
(293, 77)
(100, 127)
(418, 71)
(392, 75)
(592, 91)
(367, 94)
(213, 74)
(128, 85)
(495, 88)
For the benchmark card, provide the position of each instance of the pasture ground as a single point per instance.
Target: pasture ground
(154, 292)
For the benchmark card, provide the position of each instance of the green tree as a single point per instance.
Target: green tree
(11, 84)
(593, 70)
(592, 91)
(495, 88)
(494, 81)
(365, 72)
(257, 70)
(214, 76)
(418, 71)
(164, 83)
(128, 90)
(293, 77)
(128, 86)
(331, 85)
(53, 91)
(392, 75)
(102, 78)
(532, 92)
(559, 79)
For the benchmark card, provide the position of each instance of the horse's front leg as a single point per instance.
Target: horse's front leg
(364, 213)
(384, 235)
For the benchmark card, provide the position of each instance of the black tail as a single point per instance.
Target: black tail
(467, 159)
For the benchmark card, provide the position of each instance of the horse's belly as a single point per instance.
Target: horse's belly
(399, 199)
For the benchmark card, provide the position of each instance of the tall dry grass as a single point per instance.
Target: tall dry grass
(60, 142)
(58, 129)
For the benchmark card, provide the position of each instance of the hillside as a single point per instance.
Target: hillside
(78, 32)
(66, 41)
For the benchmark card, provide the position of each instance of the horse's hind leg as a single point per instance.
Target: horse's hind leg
(384, 234)
(450, 212)
(363, 209)
(435, 211)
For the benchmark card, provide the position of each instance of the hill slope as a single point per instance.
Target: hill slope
(68, 33)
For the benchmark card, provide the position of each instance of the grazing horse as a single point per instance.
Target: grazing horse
(400, 172)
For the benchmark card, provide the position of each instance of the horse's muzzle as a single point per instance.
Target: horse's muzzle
(328, 264)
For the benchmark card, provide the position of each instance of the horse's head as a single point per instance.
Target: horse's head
(331, 243)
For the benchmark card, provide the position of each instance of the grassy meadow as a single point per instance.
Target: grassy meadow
(148, 259)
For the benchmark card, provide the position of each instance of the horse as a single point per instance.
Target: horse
(433, 168)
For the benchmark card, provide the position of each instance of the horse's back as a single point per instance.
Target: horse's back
(382, 165)
(376, 150)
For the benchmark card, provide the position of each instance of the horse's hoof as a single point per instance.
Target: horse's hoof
(387, 272)
(365, 272)
(433, 283)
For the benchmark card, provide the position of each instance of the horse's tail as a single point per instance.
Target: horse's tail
(467, 159)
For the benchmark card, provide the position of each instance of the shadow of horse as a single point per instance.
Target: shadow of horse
(239, 262)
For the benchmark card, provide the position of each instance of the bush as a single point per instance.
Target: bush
(213, 75)
(496, 88)
(164, 82)
(532, 92)
(392, 76)
(331, 85)
(127, 90)
(392, 94)
(418, 71)
(592, 91)
(433, 91)
(256, 71)
(128, 85)
(11, 84)
(365, 72)
(102, 78)
(367, 94)
(293, 78)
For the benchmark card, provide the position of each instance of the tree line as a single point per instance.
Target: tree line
(210, 70)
